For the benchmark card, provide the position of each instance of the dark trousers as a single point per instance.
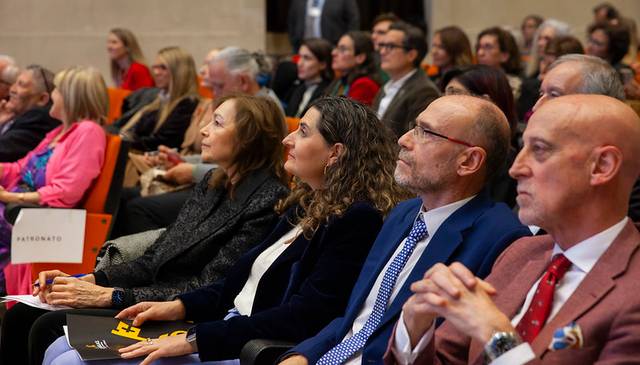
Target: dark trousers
(138, 214)
(28, 331)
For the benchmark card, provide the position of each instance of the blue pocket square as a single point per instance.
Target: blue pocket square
(569, 336)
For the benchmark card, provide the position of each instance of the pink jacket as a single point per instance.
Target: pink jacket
(75, 162)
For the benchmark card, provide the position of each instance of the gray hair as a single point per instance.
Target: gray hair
(42, 77)
(598, 76)
(241, 61)
(561, 29)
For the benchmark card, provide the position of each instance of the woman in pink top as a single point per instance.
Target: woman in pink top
(128, 68)
(59, 171)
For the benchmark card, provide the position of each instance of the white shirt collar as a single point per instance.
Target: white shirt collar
(398, 83)
(435, 217)
(585, 254)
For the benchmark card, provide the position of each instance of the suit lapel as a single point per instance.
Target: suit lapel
(442, 245)
(395, 102)
(598, 282)
(373, 267)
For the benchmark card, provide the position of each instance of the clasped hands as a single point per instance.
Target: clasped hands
(167, 159)
(455, 293)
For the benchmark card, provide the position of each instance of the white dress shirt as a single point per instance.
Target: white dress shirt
(244, 300)
(391, 88)
(583, 257)
(433, 219)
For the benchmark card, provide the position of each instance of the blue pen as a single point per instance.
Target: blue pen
(50, 281)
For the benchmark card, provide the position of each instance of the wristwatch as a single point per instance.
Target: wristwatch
(500, 343)
(117, 298)
(191, 338)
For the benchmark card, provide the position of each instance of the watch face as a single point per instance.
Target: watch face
(500, 343)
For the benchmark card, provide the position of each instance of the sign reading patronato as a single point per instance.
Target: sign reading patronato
(48, 235)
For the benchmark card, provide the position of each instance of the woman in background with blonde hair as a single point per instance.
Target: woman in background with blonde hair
(128, 68)
(165, 120)
(58, 172)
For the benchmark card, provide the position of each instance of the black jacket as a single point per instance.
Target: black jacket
(26, 132)
(209, 235)
(306, 287)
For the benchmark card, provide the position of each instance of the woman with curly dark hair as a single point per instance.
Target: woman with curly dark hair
(300, 277)
(354, 62)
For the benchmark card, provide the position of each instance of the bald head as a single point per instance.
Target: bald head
(482, 124)
(597, 120)
(578, 165)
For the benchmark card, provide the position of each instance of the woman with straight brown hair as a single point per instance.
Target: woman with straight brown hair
(128, 68)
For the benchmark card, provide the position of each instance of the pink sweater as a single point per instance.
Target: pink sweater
(75, 162)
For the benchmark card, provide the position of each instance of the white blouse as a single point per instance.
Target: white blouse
(244, 299)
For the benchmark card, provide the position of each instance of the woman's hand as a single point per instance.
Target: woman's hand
(157, 348)
(78, 293)
(157, 311)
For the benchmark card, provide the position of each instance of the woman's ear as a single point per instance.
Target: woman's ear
(360, 58)
(335, 152)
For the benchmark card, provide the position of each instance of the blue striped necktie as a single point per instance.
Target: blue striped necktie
(346, 349)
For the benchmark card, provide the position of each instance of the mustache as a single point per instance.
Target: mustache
(404, 155)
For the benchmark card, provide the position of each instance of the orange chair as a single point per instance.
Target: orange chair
(292, 123)
(205, 92)
(101, 203)
(116, 97)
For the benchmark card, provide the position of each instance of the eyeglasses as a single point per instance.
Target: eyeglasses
(391, 46)
(343, 49)
(422, 133)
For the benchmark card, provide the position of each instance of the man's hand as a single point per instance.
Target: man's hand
(463, 300)
(154, 311)
(295, 360)
(180, 174)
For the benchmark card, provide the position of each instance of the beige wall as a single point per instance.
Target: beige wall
(475, 15)
(60, 33)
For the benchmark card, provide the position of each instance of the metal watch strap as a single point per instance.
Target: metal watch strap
(191, 338)
(500, 343)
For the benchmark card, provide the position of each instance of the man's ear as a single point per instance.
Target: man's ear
(605, 164)
(43, 99)
(471, 160)
(335, 152)
(245, 82)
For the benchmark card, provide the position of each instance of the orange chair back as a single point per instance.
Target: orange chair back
(97, 195)
(116, 97)
(101, 203)
(292, 123)
(205, 92)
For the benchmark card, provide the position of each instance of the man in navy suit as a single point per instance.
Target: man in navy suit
(456, 146)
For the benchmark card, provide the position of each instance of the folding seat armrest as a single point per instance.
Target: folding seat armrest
(263, 352)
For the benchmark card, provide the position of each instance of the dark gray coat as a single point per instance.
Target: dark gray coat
(209, 235)
(412, 98)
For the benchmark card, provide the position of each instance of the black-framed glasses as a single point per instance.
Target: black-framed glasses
(422, 133)
(391, 46)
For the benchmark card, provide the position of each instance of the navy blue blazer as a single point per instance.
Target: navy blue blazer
(475, 235)
(306, 287)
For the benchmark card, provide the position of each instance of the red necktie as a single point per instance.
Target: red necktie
(538, 312)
